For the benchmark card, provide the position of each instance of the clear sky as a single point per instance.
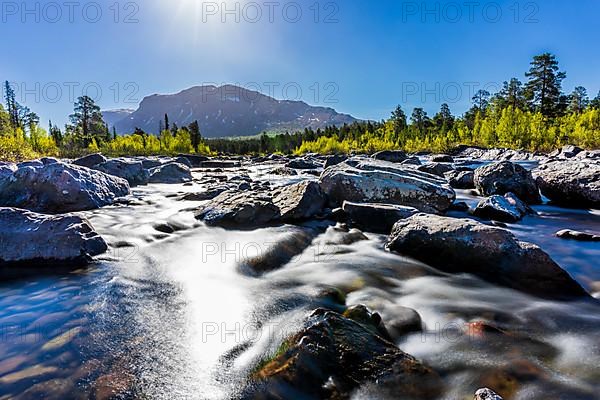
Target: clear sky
(359, 56)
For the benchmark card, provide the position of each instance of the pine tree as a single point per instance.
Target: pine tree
(87, 120)
(578, 100)
(399, 120)
(481, 100)
(544, 88)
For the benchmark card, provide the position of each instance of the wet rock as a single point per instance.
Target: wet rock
(342, 235)
(566, 152)
(219, 164)
(372, 182)
(335, 160)
(31, 163)
(395, 156)
(571, 183)
(579, 236)
(131, 170)
(299, 201)
(412, 161)
(33, 239)
(234, 209)
(195, 160)
(486, 394)
(507, 208)
(170, 173)
(332, 355)
(404, 321)
(377, 218)
(283, 171)
(302, 163)
(441, 158)
(460, 206)
(183, 160)
(504, 177)
(59, 187)
(276, 255)
(434, 168)
(461, 179)
(494, 254)
(90, 160)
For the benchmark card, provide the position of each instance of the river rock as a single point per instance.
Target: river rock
(283, 171)
(334, 354)
(486, 394)
(377, 218)
(374, 182)
(395, 156)
(330, 161)
(441, 158)
(59, 188)
(31, 239)
(507, 208)
(302, 163)
(566, 152)
(90, 160)
(170, 173)
(131, 170)
(299, 201)
(504, 177)
(412, 161)
(195, 160)
(463, 245)
(461, 179)
(436, 168)
(579, 236)
(571, 183)
(234, 209)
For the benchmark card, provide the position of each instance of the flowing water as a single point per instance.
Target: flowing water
(176, 316)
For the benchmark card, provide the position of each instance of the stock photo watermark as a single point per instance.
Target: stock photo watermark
(470, 12)
(54, 92)
(445, 92)
(52, 12)
(270, 12)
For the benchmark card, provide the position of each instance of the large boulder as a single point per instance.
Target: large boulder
(374, 182)
(131, 170)
(336, 159)
(59, 188)
(90, 160)
(461, 179)
(235, 209)
(395, 156)
(30, 239)
(504, 177)
(377, 218)
(302, 163)
(170, 173)
(195, 160)
(333, 354)
(571, 183)
(436, 168)
(507, 208)
(251, 209)
(494, 254)
(299, 201)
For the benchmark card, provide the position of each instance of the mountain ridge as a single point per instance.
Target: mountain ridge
(226, 111)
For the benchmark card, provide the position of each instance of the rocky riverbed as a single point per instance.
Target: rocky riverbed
(383, 277)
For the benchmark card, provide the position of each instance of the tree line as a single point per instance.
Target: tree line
(535, 115)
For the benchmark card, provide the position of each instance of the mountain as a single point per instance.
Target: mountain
(228, 111)
(111, 117)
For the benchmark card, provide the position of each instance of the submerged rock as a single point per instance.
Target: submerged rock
(59, 188)
(170, 173)
(283, 171)
(377, 218)
(334, 354)
(505, 177)
(32, 239)
(494, 254)
(579, 236)
(507, 208)
(131, 170)
(441, 158)
(571, 183)
(374, 182)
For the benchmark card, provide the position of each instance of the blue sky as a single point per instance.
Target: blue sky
(360, 57)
